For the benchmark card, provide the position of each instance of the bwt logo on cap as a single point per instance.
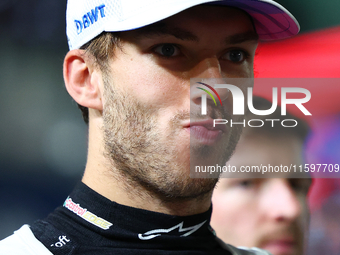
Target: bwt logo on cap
(90, 18)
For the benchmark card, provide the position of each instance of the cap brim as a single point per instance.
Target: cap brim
(272, 21)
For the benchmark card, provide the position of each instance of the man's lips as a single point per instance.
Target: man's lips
(281, 246)
(208, 124)
(204, 131)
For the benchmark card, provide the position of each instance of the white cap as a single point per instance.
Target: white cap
(86, 19)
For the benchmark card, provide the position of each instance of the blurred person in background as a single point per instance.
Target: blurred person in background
(270, 213)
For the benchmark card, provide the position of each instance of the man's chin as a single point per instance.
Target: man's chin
(192, 189)
(207, 163)
(283, 245)
(281, 249)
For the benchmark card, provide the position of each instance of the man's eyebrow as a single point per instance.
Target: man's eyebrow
(161, 28)
(242, 37)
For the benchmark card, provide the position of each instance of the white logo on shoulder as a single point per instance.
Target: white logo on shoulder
(157, 232)
(62, 241)
(86, 215)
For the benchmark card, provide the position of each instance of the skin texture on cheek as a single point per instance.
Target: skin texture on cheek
(140, 154)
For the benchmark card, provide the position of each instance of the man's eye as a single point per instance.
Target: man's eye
(300, 185)
(247, 183)
(236, 56)
(167, 50)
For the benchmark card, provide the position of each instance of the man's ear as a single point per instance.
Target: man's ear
(82, 80)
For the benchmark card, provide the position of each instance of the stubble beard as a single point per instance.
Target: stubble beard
(141, 159)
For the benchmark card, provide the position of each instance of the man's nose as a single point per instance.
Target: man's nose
(281, 203)
(205, 75)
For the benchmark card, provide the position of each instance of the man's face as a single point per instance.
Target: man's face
(269, 213)
(147, 93)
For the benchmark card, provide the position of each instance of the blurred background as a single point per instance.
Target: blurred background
(43, 139)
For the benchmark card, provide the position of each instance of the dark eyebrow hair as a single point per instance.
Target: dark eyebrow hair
(161, 28)
(242, 37)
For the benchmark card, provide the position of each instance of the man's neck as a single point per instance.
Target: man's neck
(131, 194)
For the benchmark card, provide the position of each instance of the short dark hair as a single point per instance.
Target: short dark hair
(101, 49)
